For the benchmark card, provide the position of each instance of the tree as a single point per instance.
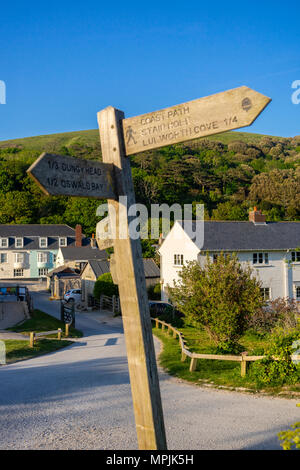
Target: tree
(105, 286)
(227, 211)
(220, 297)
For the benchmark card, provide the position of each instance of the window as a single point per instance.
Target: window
(265, 293)
(19, 242)
(215, 257)
(42, 257)
(4, 242)
(296, 256)
(3, 258)
(43, 271)
(19, 257)
(260, 258)
(298, 293)
(18, 272)
(63, 241)
(43, 242)
(178, 260)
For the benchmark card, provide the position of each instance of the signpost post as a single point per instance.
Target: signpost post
(61, 175)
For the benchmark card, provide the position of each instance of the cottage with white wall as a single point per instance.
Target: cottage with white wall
(271, 249)
(30, 251)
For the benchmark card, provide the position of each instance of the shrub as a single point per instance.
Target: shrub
(219, 297)
(282, 371)
(279, 312)
(105, 286)
(290, 440)
(154, 292)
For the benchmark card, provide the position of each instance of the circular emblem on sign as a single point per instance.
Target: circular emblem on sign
(246, 104)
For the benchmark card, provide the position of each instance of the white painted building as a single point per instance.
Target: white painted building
(270, 248)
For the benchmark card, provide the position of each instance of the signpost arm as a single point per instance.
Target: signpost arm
(133, 295)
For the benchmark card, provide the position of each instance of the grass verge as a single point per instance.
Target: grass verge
(19, 350)
(41, 321)
(213, 373)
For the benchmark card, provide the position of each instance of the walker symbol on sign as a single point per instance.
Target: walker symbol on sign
(129, 135)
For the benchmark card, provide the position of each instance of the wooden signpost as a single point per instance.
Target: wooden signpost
(108, 180)
(60, 175)
(199, 118)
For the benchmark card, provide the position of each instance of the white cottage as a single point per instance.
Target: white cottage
(271, 248)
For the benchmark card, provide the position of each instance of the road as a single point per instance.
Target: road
(79, 398)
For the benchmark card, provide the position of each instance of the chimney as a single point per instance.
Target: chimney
(257, 217)
(93, 241)
(78, 235)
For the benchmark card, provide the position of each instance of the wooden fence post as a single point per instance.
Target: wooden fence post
(156, 323)
(193, 364)
(59, 333)
(244, 365)
(31, 340)
(67, 330)
(174, 333)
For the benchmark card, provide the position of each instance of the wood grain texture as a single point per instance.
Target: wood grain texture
(133, 295)
(60, 175)
(213, 114)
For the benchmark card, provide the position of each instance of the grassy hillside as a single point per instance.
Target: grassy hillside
(228, 173)
(90, 139)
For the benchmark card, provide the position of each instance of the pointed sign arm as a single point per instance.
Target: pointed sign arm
(213, 114)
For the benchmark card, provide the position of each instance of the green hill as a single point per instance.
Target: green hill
(90, 140)
(228, 173)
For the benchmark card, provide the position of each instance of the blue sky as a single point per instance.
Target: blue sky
(64, 61)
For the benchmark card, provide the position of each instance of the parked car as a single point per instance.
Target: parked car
(73, 295)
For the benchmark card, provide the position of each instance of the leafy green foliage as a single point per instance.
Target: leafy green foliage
(105, 286)
(290, 439)
(228, 173)
(219, 297)
(278, 368)
(154, 292)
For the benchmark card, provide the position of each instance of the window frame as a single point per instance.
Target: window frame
(40, 242)
(42, 254)
(43, 272)
(178, 259)
(19, 269)
(19, 239)
(260, 258)
(295, 256)
(263, 292)
(6, 258)
(65, 239)
(21, 257)
(2, 239)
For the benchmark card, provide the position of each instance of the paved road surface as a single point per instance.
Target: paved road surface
(79, 398)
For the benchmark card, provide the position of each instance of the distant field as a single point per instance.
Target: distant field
(90, 138)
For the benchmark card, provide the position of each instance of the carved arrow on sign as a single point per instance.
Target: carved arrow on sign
(60, 175)
(199, 118)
